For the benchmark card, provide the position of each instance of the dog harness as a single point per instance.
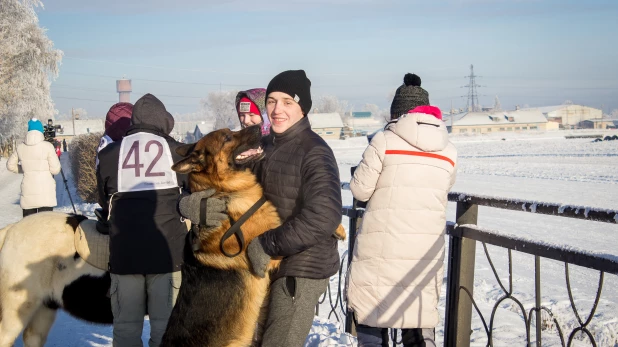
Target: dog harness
(233, 230)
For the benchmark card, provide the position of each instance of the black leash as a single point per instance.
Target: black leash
(235, 228)
(66, 185)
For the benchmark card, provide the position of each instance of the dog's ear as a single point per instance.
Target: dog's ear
(185, 166)
(185, 150)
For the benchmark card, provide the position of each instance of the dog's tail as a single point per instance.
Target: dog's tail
(3, 234)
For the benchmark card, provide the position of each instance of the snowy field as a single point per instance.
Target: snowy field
(541, 167)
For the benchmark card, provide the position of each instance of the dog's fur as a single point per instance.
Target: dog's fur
(221, 302)
(40, 272)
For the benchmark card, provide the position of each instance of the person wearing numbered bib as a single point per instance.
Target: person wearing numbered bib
(147, 233)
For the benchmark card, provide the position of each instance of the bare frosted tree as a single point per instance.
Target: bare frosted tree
(63, 116)
(377, 113)
(330, 104)
(192, 116)
(27, 62)
(385, 114)
(220, 107)
(373, 108)
(497, 105)
(80, 113)
(614, 113)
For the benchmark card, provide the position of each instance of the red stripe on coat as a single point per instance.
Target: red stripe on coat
(421, 154)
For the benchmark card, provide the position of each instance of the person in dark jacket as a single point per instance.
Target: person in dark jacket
(300, 177)
(117, 122)
(147, 233)
(64, 145)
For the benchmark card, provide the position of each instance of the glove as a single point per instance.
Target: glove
(102, 224)
(258, 258)
(190, 208)
(102, 227)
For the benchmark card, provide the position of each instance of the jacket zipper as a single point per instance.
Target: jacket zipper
(109, 206)
(272, 154)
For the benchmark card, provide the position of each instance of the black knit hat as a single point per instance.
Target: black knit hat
(294, 83)
(408, 96)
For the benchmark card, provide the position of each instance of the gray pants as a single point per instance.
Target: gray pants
(134, 296)
(291, 310)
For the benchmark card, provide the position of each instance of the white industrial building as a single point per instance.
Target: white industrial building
(489, 122)
(568, 116)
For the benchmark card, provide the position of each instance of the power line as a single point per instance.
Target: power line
(63, 86)
(81, 99)
(113, 102)
(236, 85)
(162, 81)
(166, 68)
(192, 70)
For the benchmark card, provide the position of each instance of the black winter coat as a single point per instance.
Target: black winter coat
(300, 177)
(147, 234)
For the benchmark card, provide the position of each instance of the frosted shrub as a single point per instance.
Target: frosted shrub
(83, 153)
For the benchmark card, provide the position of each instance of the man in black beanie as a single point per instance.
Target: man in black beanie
(291, 88)
(408, 96)
(300, 177)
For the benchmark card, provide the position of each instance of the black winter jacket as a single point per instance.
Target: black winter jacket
(300, 177)
(146, 232)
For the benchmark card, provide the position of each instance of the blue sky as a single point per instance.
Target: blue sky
(527, 51)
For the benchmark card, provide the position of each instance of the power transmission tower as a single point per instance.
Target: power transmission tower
(473, 98)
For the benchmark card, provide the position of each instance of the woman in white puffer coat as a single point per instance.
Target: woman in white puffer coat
(397, 263)
(37, 160)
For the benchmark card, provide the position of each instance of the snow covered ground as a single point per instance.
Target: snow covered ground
(541, 167)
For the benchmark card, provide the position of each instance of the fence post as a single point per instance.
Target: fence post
(537, 287)
(461, 261)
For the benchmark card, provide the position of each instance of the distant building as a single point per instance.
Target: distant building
(188, 130)
(82, 126)
(490, 122)
(361, 123)
(201, 129)
(568, 116)
(363, 114)
(603, 123)
(327, 125)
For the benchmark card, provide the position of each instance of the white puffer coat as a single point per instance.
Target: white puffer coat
(397, 264)
(38, 161)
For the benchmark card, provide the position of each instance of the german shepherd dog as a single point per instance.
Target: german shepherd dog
(220, 300)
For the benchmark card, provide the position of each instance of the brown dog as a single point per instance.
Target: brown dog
(220, 300)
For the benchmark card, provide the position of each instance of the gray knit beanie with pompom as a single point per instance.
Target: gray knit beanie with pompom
(408, 96)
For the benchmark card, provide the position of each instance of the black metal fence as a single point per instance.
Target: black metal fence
(463, 237)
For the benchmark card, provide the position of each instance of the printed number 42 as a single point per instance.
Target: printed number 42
(134, 151)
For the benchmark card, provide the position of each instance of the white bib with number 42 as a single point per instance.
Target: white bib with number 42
(145, 163)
